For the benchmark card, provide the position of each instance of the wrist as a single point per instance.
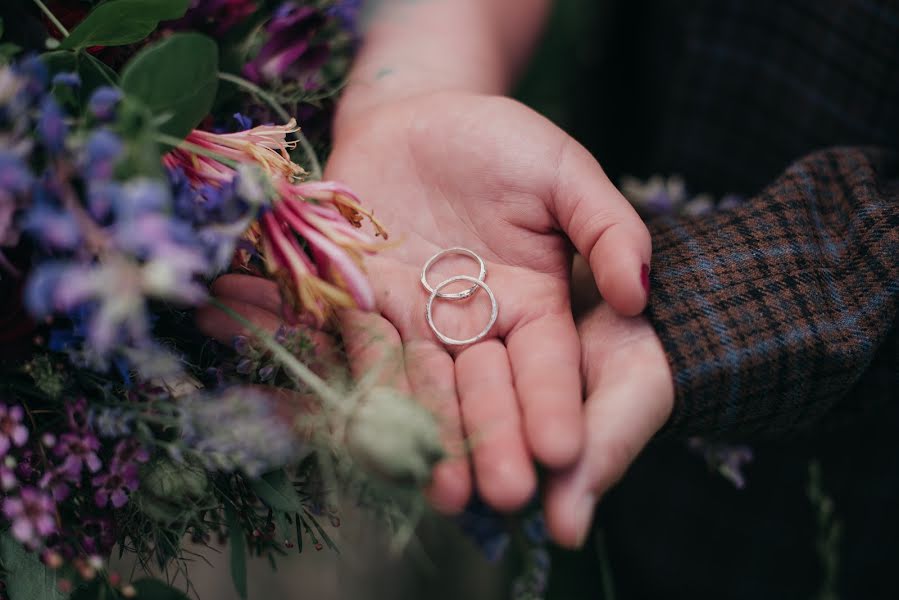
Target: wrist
(422, 48)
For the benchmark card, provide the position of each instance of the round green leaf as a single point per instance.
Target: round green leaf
(120, 22)
(176, 79)
(26, 576)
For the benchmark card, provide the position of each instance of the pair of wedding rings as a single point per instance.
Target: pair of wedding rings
(476, 283)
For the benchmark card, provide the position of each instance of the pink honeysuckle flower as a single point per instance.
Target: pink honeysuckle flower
(327, 271)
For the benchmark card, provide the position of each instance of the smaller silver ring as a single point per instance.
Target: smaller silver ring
(453, 295)
(494, 311)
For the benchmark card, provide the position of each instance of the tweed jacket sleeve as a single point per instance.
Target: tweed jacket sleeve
(784, 309)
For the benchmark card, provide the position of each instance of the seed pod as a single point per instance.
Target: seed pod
(395, 437)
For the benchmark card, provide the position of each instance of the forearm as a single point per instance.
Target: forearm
(773, 313)
(418, 46)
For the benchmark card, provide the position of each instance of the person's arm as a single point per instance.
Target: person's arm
(762, 320)
(770, 313)
(419, 46)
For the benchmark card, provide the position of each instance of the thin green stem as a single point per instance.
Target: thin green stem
(52, 17)
(174, 142)
(315, 167)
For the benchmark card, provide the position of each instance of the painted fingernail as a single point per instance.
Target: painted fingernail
(644, 278)
(583, 517)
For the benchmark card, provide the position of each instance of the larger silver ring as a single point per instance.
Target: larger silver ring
(453, 295)
(494, 311)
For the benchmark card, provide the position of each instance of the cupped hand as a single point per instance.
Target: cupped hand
(630, 396)
(488, 174)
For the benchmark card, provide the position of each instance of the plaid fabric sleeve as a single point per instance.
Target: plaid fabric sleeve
(773, 312)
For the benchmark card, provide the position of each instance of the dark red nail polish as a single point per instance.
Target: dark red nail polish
(644, 278)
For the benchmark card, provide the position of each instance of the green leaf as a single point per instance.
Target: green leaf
(26, 577)
(93, 73)
(238, 551)
(8, 51)
(120, 22)
(277, 492)
(153, 589)
(176, 79)
(321, 532)
(282, 527)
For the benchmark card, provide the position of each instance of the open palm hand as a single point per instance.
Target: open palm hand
(490, 175)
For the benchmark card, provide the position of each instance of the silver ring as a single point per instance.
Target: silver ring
(494, 311)
(453, 295)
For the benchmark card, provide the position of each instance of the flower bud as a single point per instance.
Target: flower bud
(395, 437)
(168, 488)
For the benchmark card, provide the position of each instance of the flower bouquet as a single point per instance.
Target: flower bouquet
(147, 146)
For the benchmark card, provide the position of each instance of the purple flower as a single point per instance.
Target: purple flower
(32, 514)
(101, 152)
(8, 479)
(78, 451)
(12, 432)
(347, 13)
(730, 201)
(103, 102)
(486, 528)
(727, 459)
(55, 228)
(291, 51)
(35, 73)
(116, 292)
(15, 183)
(216, 17)
(51, 126)
(244, 121)
(15, 178)
(77, 415)
(56, 481)
(99, 534)
(115, 486)
(67, 79)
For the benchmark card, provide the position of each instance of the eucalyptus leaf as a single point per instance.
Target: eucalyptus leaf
(238, 551)
(276, 490)
(176, 79)
(26, 577)
(120, 22)
(153, 589)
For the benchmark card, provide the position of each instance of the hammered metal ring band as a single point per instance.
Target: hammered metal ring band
(482, 273)
(435, 293)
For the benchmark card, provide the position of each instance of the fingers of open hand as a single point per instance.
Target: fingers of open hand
(629, 399)
(545, 358)
(374, 349)
(505, 475)
(431, 375)
(249, 289)
(604, 227)
(221, 326)
(258, 301)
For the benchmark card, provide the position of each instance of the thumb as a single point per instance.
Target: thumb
(604, 228)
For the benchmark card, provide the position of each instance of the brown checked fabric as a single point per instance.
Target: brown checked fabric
(772, 312)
